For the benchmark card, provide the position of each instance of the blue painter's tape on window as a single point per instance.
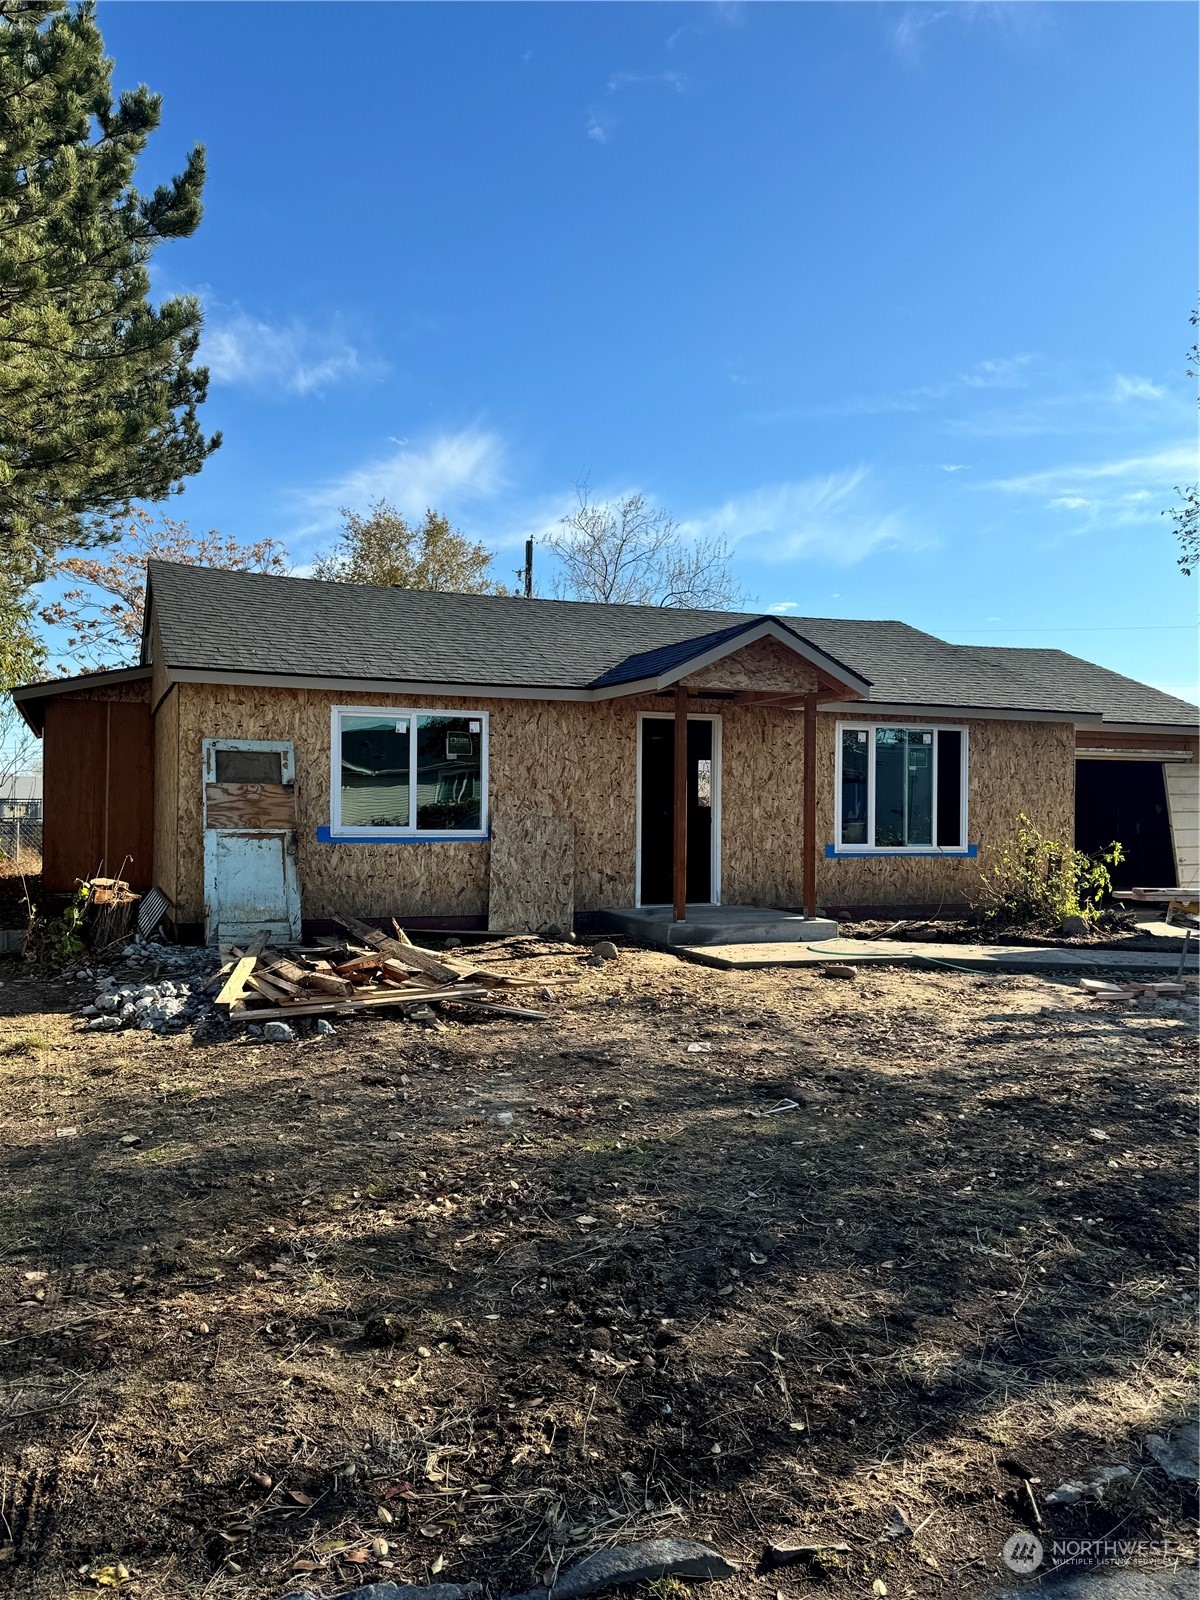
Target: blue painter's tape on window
(325, 835)
(832, 853)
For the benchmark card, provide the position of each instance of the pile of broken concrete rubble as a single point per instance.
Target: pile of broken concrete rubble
(172, 999)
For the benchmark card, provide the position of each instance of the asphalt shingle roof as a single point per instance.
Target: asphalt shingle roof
(249, 623)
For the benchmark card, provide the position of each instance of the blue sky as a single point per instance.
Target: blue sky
(893, 296)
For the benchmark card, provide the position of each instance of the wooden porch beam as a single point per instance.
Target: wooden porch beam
(808, 844)
(680, 775)
(788, 702)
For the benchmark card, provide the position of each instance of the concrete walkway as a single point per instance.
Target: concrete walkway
(721, 925)
(1106, 1583)
(900, 953)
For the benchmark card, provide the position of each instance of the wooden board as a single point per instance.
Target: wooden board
(408, 955)
(236, 980)
(532, 881)
(331, 1007)
(250, 805)
(1183, 805)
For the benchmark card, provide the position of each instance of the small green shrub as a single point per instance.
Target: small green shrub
(1037, 882)
(57, 942)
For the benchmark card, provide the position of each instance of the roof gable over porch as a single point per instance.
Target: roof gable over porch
(759, 656)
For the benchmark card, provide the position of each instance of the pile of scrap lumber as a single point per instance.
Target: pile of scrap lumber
(1119, 989)
(366, 970)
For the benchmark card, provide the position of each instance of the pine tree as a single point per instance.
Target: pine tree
(98, 398)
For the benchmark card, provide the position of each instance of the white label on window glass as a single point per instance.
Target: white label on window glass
(402, 725)
(926, 738)
(862, 738)
(475, 727)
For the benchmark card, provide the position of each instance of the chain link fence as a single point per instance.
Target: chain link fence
(19, 834)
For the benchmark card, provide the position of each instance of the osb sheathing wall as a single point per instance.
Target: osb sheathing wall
(166, 795)
(579, 760)
(1012, 767)
(765, 665)
(564, 758)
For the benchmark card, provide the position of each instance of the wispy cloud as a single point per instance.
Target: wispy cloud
(447, 472)
(1130, 489)
(670, 79)
(1006, 372)
(908, 34)
(288, 358)
(837, 517)
(1128, 388)
(599, 129)
(1079, 400)
(721, 13)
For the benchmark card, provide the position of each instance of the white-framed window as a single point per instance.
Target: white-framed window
(407, 773)
(901, 787)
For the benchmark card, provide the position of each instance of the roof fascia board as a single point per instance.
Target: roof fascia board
(284, 680)
(767, 628)
(862, 711)
(29, 698)
(481, 691)
(147, 613)
(507, 691)
(85, 680)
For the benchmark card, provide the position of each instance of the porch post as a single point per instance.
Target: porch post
(809, 829)
(681, 768)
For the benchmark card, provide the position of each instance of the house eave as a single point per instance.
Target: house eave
(30, 697)
(863, 710)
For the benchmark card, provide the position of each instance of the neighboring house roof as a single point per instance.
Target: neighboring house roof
(240, 623)
(21, 786)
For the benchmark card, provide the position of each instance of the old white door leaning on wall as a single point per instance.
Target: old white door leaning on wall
(250, 879)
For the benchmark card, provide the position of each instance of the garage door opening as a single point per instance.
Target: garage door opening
(1126, 800)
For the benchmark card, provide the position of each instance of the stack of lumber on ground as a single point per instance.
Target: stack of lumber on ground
(368, 969)
(1119, 989)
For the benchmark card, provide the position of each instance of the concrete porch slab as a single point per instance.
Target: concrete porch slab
(973, 957)
(717, 925)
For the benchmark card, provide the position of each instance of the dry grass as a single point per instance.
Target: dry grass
(25, 864)
(645, 1306)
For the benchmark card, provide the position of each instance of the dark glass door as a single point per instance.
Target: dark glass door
(658, 811)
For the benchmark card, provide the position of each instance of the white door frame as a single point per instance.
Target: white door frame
(715, 870)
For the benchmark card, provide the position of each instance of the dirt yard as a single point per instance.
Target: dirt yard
(472, 1303)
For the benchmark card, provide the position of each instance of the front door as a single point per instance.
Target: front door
(657, 756)
(250, 879)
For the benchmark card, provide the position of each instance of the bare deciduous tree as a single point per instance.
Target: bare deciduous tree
(632, 552)
(103, 614)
